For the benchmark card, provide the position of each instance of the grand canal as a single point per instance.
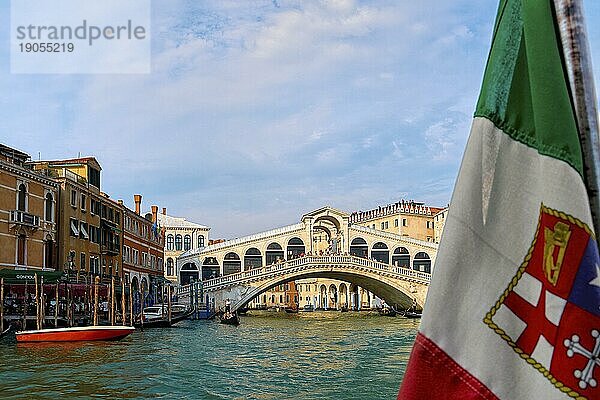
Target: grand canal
(305, 356)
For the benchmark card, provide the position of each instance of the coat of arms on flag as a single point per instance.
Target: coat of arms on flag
(549, 314)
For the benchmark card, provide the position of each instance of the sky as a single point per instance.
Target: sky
(256, 112)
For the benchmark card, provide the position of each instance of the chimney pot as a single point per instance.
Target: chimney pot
(154, 212)
(164, 210)
(137, 198)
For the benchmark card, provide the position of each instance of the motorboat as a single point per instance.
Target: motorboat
(75, 334)
(308, 308)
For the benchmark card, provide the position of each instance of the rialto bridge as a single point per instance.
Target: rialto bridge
(323, 245)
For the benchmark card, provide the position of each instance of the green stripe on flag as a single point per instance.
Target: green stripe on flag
(525, 91)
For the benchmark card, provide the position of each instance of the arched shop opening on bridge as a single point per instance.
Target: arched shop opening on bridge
(274, 253)
(189, 271)
(422, 262)
(232, 263)
(210, 268)
(295, 248)
(252, 259)
(380, 252)
(359, 248)
(401, 257)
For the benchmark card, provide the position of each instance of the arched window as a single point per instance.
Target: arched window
(232, 263)
(169, 266)
(359, 248)
(169, 242)
(49, 207)
(178, 242)
(201, 241)
(401, 257)
(21, 198)
(252, 259)
(187, 242)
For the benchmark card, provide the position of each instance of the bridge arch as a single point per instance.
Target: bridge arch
(398, 294)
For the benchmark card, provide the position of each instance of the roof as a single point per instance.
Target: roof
(72, 161)
(178, 222)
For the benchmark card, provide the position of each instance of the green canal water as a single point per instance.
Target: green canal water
(326, 355)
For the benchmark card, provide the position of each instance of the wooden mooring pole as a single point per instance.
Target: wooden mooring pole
(131, 304)
(123, 310)
(56, 307)
(96, 283)
(112, 301)
(42, 304)
(1, 305)
(25, 307)
(169, 302)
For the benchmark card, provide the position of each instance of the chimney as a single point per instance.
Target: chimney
(154, 212)
(164, 210)
(138, 203)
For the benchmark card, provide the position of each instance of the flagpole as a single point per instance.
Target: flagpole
(576, 52)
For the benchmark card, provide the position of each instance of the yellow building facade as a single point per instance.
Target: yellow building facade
(28, 227)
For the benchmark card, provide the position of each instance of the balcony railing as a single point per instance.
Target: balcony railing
(110, 248)
(23, 218)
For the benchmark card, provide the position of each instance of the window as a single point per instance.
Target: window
(404, 222)
(429, 224)
(178, 242)
(152, 261)
(117, 218)
(387, 224)
(48, 252)
(83, 231)
(373, 226)
(200, 241)
(187, 242)
(396, 222)
(170, 242)
(22, 198)
(74, 227)
(83, 202)
(382, 225)
(92, 207)
(169, 266)
(94, 177)
(21, 249)
(73, 198)
(82, 263)
(49, 206)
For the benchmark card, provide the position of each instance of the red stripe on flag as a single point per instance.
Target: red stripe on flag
(432, 374)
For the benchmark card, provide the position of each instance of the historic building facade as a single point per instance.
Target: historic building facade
(181, 236)
(89, 222)
(143, 247)
(28, 219)
(439, 221)
(406, 218)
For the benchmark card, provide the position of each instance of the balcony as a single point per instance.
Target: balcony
(25, 219)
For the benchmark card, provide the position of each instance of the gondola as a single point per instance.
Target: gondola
(291, 310)
(412, 314)
(230, 319)
(2, 334)
(387, 312)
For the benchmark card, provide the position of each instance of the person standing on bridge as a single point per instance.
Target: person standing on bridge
(227, 306)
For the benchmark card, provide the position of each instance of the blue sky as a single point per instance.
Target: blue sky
(258, 111)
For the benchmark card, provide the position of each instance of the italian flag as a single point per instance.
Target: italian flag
(513, 310)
